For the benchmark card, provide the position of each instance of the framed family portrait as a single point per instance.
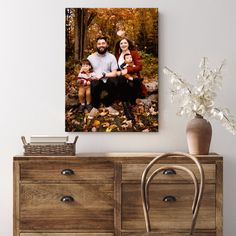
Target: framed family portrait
(111, 70)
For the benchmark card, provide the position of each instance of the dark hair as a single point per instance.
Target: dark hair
(117, 47)
(86, 62)
(102, 37)
(127, 54)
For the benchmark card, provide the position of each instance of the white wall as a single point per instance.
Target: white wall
(32, 82)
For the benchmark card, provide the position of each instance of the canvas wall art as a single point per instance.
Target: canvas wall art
(111, 74)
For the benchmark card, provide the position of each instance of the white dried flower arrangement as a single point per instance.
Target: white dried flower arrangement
(199, 100)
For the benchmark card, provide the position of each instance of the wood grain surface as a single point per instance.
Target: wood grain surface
(106, 192)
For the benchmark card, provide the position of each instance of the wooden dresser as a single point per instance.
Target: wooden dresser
(99, 195)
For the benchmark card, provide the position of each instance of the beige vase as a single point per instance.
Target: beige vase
(199, 134)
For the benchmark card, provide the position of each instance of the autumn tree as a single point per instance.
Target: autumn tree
(69, 32)
(147, 36)
(84, 25)
(83, 18)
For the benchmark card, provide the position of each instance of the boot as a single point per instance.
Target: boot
(127, 110)
(81, 108)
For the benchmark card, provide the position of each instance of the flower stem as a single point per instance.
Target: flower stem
(199, 116)
(217, 109)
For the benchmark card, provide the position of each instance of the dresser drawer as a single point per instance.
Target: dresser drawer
(167, 215)
(170, 234)
(66, 171)
(66, 234)
(91, 208)
(134, 172)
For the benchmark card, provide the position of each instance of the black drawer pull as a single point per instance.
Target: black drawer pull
(67, 199)
(169, 199)
(169, 172)
(67, 172)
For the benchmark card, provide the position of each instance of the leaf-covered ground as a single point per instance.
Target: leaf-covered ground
(145, 111)
(146, 119)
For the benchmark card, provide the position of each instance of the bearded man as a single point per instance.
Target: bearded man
(103, 89)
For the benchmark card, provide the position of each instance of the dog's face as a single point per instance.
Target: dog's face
(152, 86)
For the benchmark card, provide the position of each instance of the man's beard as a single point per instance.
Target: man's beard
(103, 51)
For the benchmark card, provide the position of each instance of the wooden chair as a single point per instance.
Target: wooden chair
(148, 176)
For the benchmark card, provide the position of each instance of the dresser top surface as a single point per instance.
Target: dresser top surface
(118, 156)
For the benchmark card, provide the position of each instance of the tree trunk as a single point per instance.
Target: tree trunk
(82, 21)
(81, 33)
(77, 34)
(69, 27)
(154, 13)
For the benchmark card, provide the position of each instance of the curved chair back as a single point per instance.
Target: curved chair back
(148, 176)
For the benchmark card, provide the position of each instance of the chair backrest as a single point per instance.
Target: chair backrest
(149, 174)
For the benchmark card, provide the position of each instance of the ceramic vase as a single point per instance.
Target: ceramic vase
(199, 134)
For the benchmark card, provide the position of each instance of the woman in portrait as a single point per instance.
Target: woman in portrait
(130, 83)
